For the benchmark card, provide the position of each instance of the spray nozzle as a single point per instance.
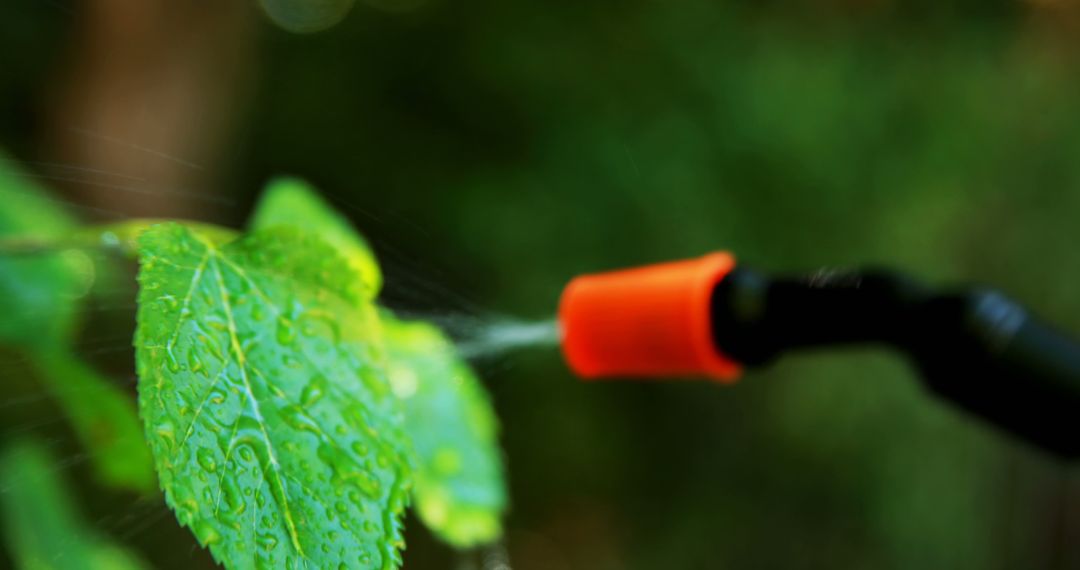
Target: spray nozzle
(648, 321)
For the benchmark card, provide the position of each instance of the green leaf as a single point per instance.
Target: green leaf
(289, 201)
(264, 395)
(459, 490)
(38, 292)
(104, 419)
(42, 529)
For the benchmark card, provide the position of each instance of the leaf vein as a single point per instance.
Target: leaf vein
(275, 465)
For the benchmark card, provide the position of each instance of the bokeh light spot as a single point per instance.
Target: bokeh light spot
(306, 16)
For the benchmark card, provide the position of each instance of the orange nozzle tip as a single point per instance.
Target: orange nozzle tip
(652, 321)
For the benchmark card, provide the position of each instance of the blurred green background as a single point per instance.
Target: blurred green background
(493, 149)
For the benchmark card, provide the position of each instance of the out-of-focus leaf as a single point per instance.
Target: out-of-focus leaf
(459, 491)
(270, 418)
(38, 292)
(288, 201)
(104, 418)
(42, 528)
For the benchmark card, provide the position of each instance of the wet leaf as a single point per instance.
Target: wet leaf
(459, 490)
(42, 529)
(288, 201)
(265, 400)
(104, 419)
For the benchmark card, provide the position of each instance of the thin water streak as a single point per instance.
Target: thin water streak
(494, 338)
(120, 142)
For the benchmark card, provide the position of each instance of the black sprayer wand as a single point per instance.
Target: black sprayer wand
(707, 317)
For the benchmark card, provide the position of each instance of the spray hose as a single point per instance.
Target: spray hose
(708, 317)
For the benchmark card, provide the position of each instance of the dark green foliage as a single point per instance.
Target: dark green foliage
(42, 529)
(40, 296)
